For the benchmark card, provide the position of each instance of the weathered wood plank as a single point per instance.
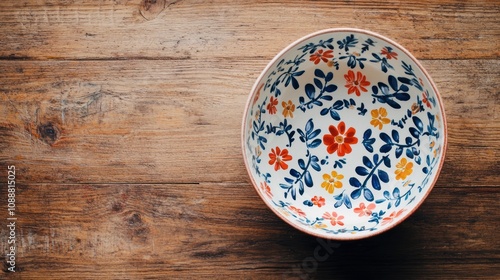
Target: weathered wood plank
(174, 230)
(200, 29)
(160, 121)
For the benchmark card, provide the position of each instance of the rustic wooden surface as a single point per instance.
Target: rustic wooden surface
(123, 121)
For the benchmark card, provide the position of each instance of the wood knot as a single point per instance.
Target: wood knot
(48, 132)
(137, 229)
(150, 9)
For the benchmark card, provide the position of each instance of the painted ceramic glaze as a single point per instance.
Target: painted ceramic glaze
(344, 134)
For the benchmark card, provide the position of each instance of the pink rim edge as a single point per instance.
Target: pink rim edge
(426, 74)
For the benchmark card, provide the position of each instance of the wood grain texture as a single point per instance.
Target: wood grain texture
(123, 120)
(186, 230)
(201, 29)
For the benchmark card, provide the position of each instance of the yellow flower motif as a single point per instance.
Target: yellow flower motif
(332, 181)
(404, 169)
(288, 108)
(320, 225)
(379, 118)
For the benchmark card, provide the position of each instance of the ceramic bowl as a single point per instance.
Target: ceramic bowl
(344, 134)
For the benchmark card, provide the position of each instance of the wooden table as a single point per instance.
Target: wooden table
(122, 120)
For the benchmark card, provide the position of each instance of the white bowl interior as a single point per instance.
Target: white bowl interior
(334, 162)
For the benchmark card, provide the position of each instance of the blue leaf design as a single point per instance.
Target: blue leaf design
(393, 103)
(294, 173)
(383, 88)
(347, 202)
(329, 77)
(313, 134)
(386, 138)
(368, 194)
(396, 193)
(308, 203)
(338, 105)
(414, 132)
(310, 91)
(356, 194)
(387, 195)
(308, 179)
(387, 162)
(318, 73)
(393, 82)
(318, 83)
(399, 152)
(367, 134)
(338, 203)
(295, 83)
(354, 182)
(409, 153)
(395, 135)
(376, 182)
(403, 96)
(367, 162)
(335, 115)
(301, 188)
(384, 177)
(418, 123)
(302, 164)
(289, 180)
(386, 148)
(309, 126)
(331, 88)
(314, 143)
(324, 111)
(360, 170)
(398, 201)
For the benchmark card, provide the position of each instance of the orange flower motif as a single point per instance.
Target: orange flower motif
(425, 100)
(389, 54)
(271, 107)
(320, 55)
(278, 158)
(379, 118)
(288, 108)
(264, 187)
(356, 82)
(318, 201)
(334, 218)
(364, 210)
(339, 140)
(404, 169)
(297, 211)
(392, 217)
(332, 181)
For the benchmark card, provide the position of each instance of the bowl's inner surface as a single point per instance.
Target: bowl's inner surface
(343, 134)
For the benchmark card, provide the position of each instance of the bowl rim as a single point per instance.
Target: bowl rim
(255, 88)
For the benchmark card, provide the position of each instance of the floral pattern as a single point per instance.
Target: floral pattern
(288, 108)
(278, 157)
(340, 140)
(404, 169)
(351, 132)
(379, 117)
(356, 83)
(332, 181)
(334, 218)
(321, 55)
